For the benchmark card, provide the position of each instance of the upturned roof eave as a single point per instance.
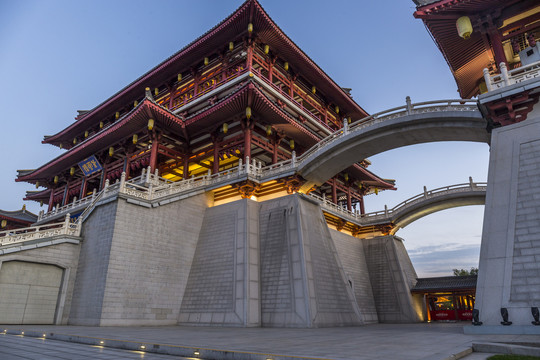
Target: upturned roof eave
(99, 137)
(82, 121)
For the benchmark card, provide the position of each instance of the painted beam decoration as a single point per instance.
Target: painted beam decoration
(90, 165)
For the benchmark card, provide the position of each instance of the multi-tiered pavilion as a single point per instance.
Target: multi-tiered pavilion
(243, 91)
(177, 201)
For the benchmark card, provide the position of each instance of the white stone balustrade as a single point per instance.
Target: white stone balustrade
(511, 77)
(65, 227)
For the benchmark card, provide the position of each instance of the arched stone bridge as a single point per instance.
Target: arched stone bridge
(441, 120)
(414, 208)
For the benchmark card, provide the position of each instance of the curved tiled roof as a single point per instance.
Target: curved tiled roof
(128, 124)
(266, 30)
(445, 283)
(22, 215)
(466, 58)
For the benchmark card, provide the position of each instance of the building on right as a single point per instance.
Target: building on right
(491, 48)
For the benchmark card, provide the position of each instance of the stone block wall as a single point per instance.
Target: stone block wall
(150, 256)
(93, 266)
(392, 276)
(351, 253)
(223, 284)
(509, 269)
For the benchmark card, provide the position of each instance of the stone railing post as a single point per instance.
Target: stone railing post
(247, 165)
(106, 185)
(239, 165)
(386, 210)
(66, 223)
(487, 79)
(122, 182)
(425, 192)
(148, 174)
(504, 73)
(293, 160)
(345, 126)
(471, 183)
(409, 105)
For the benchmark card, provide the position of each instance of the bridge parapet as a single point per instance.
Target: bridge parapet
(404, 110)
(389, 214)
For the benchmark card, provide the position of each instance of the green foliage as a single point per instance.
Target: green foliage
(513, 357)
(463, 272)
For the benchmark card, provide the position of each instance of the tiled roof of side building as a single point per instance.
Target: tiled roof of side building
(445, 283)
(21, 215)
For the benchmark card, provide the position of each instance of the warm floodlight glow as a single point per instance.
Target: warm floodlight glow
(142, 347)
(196, 353)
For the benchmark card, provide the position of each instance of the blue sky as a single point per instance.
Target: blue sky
(59, 56)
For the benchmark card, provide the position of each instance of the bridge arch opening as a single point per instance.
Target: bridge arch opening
(446, 239)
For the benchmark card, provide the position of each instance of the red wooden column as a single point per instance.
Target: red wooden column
(249, 60)
(186, 166)
(154, 153)
(275, 145)
(496, 42)
(51, 200)
(247, 142)
(362, 208)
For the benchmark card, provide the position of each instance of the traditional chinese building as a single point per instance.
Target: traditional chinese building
(243, 91)
(492, 50)
(175, 201)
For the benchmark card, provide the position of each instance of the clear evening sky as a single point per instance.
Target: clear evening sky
(59, 56)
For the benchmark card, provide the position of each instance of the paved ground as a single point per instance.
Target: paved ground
(433, 341)
(14, 347)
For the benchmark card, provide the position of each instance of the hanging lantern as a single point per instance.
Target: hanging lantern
(250, 28)
(346, 176)
(206, 61)
(74, 141)
(111, 151)
(156, 91)
(55, 180)
(231, 46)
(179, 77)
(360, 186)
(86, 134)
(313, 89)
(150, 124)
(41, 203)
(4, 223)
(101, 124)
(248, 112)
(37, 184)
(237, 151)
(72, 171)
(266, 49)
(61, 146)
(291, 144)
(286, 65)
(464, 27)
(135, 103)
(225, 128)
(376, 191)
(117, 115)
(135, 138)
(337, 109)
(349, 120)
(268, 130)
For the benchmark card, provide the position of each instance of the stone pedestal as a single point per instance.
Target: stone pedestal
(509, 271)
